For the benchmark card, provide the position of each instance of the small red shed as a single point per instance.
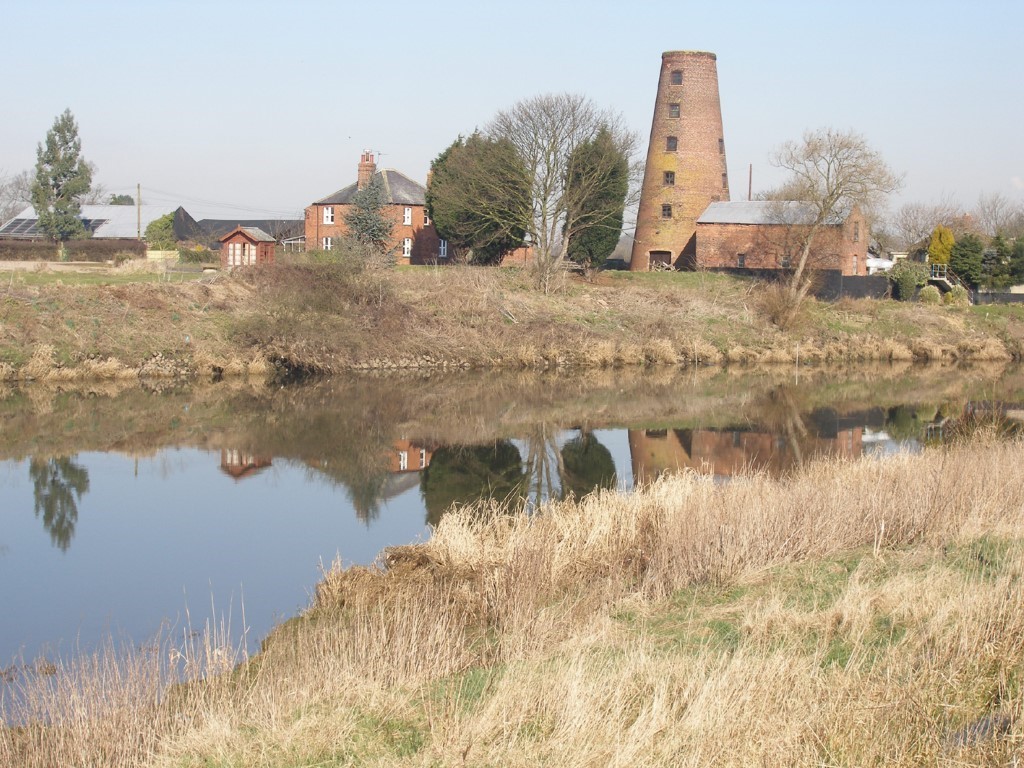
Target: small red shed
(246, 246)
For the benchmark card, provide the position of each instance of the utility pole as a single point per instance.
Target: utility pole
(138, 211)
(750, 184)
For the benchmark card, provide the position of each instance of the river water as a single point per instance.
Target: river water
(129, 509)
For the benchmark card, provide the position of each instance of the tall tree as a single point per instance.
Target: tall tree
(367, 219)
(546, 132)
(479, 198)
(941, 244)
(120, 200)
(63, 178)
(599, 210)
(966, 258)
(831, 172)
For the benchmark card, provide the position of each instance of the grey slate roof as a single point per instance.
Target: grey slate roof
(257, 234)
(400, 189)
(757, 212)
(212, 230)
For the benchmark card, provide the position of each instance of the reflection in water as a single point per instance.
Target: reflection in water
(464, 474)
(468, 437)
(587, 465)
(240, 464)
(58, 484)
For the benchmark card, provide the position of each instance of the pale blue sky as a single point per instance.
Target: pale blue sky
(265, 106)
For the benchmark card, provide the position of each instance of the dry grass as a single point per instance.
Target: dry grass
(328, 318)
(865, 613)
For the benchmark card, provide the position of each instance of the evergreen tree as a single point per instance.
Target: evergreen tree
(63, 178)
(479, 198)
(940, 245)
(367, 220)
(599, 169)
(965, 258)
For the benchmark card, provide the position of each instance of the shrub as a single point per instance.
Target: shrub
(906, 277)
(88, 249)
(198, 256)
(929, 295)
(958, 297)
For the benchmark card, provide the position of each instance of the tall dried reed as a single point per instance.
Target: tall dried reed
(863, 613)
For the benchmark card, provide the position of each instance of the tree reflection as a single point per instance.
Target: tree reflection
(58, 485)
(587, 465)
(465, 474)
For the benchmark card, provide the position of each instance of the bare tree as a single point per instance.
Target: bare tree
(995, 214)
(546, 131)
(15, 194)
(913, 223)
(830, 173)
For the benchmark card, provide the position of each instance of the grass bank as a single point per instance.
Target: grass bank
(852, 614)
(323, 318)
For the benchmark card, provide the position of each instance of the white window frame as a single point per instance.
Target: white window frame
(326, 243)
(426, 218)
(328, 214)
(403, 461)
(407, 247)
(407, 217)
(442, 249)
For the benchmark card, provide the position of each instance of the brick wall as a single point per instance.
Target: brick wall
(423, 236)
(773, 246)
(687, 109)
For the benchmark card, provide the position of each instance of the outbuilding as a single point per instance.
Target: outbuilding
(246, 246)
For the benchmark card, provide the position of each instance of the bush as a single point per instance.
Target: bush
(958, 297)
(906, 277)
(89, 249)
(929, 295)
(198, 256)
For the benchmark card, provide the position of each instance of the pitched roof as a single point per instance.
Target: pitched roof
(758, 212)
(255, 233)
(214, 230)
(399, 190)
(104, 221)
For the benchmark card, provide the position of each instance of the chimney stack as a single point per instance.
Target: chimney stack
(367, 167)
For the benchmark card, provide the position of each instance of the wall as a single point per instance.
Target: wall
(425, 242)
(698, 162)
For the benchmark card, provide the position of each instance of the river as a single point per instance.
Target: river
(128, 509)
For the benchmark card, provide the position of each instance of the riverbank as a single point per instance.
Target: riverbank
(325, 319)
(865, 613)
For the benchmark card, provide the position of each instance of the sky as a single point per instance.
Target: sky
(262, 107)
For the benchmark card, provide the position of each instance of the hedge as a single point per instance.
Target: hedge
(97, 250)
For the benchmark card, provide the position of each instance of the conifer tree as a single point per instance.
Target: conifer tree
(941, 245)
(63, 178)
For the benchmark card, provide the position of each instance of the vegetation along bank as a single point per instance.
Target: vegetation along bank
(310, 317)
(865, 613)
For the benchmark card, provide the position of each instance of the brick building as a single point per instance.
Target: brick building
(414, 239)
(768, 235)
(686, 167)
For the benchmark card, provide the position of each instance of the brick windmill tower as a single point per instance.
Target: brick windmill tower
(686, 168)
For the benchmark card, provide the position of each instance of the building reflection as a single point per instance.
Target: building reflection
(241, 464)
(725, 452)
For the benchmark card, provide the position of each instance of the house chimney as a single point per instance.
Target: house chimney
(367, 167)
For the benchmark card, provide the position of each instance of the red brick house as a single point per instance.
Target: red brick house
(246, 246)
(414, 239)
(768, 235)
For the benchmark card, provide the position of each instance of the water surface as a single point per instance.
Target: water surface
(127, 508)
